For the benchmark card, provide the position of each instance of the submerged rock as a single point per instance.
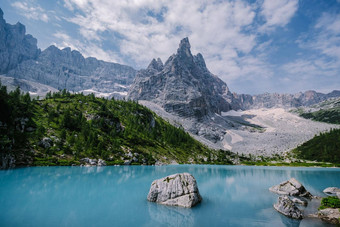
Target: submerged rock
(175, 190)
(332, 191)
(287, 207)
(291, 187)
(330, 215)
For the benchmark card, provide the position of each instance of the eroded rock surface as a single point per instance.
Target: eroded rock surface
(332, 191)
(291, 187)
(175, 190)
(330, 215)
(287, 207)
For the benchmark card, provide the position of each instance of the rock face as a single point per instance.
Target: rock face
(15, 45)
(21, 59)
(68, 69)
(330, 215)
(175, 190)
(287, 207)
(183, 85)
(332, 191)
(270, 100)
(291, 187)
(7, 161)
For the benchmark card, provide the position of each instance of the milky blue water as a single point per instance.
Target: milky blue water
(116, 196)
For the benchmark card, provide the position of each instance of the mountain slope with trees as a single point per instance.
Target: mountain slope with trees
(63, 128)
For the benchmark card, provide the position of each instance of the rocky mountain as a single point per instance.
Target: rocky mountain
(21, 59)
(183, 85)
(68, 69)
(271, 100)
(15, 45)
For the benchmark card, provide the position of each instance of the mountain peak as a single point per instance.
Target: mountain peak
(1, 14)
(184, 48)
(156, 64)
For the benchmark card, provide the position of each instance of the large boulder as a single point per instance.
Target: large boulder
(175, 190)
(332, 191)
(287, 207)
(291, 187)
(330, 215)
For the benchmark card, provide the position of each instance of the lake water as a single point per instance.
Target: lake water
(116, 196)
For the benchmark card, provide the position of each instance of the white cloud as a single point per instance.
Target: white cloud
(278, 13)
(31, 11)
(87, 49)
(153, 28)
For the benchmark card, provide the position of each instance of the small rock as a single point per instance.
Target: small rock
(300, 201)
(101, 162)
(127, 162)
(331, 191)
(291, 187)
(287, 207)
(330, 215)
(175, 190)
(46, 142)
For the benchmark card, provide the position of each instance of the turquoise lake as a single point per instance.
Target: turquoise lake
(116, 196)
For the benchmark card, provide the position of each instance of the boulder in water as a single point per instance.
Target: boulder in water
(332, 191)
(175, 190)
(287, 207)
(291, 187)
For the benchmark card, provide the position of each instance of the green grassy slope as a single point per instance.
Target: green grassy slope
(79, 126)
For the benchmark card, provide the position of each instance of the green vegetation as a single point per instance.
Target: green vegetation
(64, 128)
(328, 115)
(323, 148)
(327, 111)
(330, 202)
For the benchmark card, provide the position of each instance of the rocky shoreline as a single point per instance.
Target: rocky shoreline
(293, 195)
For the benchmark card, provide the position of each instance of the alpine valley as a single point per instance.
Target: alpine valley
(177, 112)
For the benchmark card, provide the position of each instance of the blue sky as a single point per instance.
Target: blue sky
(255, 46)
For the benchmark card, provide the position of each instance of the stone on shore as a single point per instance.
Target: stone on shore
(292, 187)
(330, 215)
(287, 207)
(175, 190)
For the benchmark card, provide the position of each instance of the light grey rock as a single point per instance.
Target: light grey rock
(332, 191)
(291, 187)
(287, 207)
(101, 162)
(46, 142)
(127, 162)
(300, 201)
(330, 215)
(338, 194)
(175, 190)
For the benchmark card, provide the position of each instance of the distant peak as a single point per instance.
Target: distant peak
(1, 14)
(184, 47)
(156, 64)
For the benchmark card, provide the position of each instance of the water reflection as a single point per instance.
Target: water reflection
(171, 216)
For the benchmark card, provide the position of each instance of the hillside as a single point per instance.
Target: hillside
(327, 111)
(324, 147)
(64, 128)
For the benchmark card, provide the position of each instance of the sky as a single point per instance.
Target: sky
(255, 46)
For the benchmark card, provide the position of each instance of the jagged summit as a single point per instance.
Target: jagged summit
(156, 65)
(15, 45)
(183, 85)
